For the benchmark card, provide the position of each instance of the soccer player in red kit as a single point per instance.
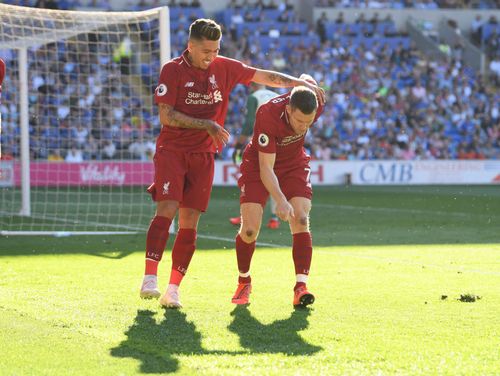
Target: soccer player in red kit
(192, 96)
(275, 163)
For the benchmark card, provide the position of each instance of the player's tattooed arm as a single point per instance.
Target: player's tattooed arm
(276, 79)
(171, 118)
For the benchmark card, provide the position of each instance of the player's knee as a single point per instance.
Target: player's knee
(190, 214)
(189, 218)
(301, 218)
(304, 220)
(167, 208)
(249, 234)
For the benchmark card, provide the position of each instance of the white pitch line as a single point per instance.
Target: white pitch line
(211, 237)
(231, 240)
(61, 234)
(79, 222)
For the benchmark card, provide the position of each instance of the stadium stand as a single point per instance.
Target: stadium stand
(419, 4)
(386, 99)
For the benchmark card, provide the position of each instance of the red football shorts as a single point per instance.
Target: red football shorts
(293, 183)
(183, 177)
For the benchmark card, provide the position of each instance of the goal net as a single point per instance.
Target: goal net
(78, 123)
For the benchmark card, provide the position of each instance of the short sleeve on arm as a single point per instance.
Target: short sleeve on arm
(239, 73)
(166, 91)
(264, 136)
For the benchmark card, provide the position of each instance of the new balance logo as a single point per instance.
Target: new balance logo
(189, 84)
(166, 187)
(217, 96)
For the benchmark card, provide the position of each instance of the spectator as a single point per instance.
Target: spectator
(374, 20)
(477, 29)
(108, 150)
(142, 149)
(80, 135)
(361, 19)
(340, 18)
(74, 155)
(495, 69)
(55, 156)
(286, 16)
(493, 44)
(91, 149)
(321, 27)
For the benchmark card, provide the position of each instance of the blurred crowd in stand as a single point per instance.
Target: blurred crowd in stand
(386, 100)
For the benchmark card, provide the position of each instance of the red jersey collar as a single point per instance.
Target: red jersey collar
(284, 117)
(186, 58)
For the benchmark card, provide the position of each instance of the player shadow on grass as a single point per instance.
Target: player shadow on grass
(281, 336)
(156, 345)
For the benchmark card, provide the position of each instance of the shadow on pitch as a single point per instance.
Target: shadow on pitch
(110, 246)
(156, 345)
(281, 336)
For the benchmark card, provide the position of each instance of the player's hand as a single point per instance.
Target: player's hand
(311, 83)
(218, 134)
(308, 78)
(284, 210)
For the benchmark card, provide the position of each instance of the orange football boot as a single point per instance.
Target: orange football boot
(273, 223)
(302, 297)
(235, 221)
(242, 293)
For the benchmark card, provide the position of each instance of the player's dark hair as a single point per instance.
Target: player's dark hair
(204, 28)
(304, 99)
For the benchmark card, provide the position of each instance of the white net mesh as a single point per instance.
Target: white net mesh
(92, 123)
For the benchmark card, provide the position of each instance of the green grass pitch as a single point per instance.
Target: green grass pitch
(389, 267)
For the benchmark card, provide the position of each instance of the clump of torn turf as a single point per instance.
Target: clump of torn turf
(469, 298)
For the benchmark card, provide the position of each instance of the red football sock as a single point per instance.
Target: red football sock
(244, 253)
(245, 279)
(156, 241)
(299, 284)
(175, 277)
(302, 252)
(182, 252)
(151, 267)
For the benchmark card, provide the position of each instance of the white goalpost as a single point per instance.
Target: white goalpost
(78, 119)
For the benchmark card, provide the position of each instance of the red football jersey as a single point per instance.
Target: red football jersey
(202, 94)
(274, 134)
